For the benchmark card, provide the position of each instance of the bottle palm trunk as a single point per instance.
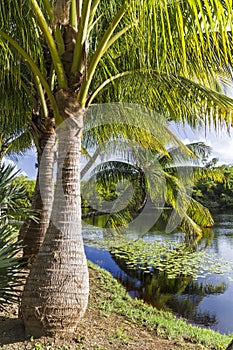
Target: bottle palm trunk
(56, 293)
(33, 232)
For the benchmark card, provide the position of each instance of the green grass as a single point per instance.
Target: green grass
(109, 298)
(166, 324)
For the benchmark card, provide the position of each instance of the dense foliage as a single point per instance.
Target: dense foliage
(11, 263)
(213, 194)
(15, 194)
(123, 191)
(24, 201)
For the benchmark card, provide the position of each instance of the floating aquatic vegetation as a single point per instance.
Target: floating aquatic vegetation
(174, 259)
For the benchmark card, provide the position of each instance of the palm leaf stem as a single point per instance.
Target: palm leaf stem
(59, 40)
(42, 97)
(92, 14)
(73, 14)
(106, 82)
(48, 8)
(81, 37)
(82, 96)
(51, 44)
(36, 72)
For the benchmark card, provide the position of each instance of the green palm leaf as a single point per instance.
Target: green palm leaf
(12, 276)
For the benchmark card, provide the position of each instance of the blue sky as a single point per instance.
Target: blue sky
(26, 164)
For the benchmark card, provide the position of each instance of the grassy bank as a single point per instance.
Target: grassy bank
(165, 324)
(115, 321)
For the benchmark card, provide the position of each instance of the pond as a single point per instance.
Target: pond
(206, 302)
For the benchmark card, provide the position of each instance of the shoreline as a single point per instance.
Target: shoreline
(115, 321)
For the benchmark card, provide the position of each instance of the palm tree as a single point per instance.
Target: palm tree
(79, 51)
(179, 169)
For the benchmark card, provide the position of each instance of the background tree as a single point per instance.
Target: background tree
(171, 47)
(180, 170)
(26, 200)
(216, 194)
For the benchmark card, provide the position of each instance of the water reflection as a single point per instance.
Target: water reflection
(181, 295)
(207, 302)
(186, 304)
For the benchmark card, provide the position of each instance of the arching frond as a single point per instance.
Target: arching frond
(176, 58)
(138, 124)
(196, 218)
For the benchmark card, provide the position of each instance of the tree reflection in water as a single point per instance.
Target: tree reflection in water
(182, 295)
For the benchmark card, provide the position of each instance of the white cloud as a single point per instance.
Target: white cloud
(220, 141)
(222, 146)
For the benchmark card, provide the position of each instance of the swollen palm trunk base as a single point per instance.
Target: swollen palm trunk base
(56, 294)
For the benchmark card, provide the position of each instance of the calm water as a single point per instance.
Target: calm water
(205, 302)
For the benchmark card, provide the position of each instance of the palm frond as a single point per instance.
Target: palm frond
(179, 54)
(12, 276)
(175, 97)
(134, 123)
(15, 144)
(197, 218)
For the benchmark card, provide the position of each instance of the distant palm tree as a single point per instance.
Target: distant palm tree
(179, 169)
(171, 56)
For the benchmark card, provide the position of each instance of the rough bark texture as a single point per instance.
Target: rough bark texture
(33, 232)
(56, 293)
